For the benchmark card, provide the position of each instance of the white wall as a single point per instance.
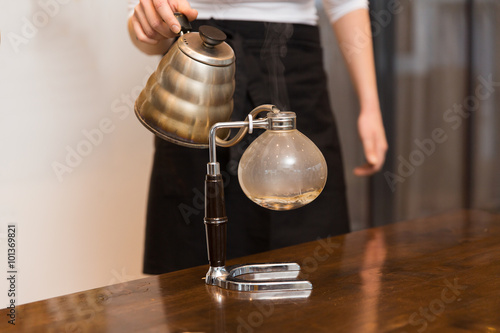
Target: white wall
(64, 71)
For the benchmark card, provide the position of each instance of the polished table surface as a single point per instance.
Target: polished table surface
(438, 274)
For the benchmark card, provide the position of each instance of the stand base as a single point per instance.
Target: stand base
(258, 277)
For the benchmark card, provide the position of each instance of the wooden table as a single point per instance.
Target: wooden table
(439, 274)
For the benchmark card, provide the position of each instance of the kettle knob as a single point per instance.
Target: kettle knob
(211, 36)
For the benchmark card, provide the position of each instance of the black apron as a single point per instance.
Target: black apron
(278, 64)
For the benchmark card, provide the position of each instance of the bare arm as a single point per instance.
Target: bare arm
(355, 40)
(153, 26)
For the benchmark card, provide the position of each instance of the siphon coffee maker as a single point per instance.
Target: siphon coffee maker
(188, 101)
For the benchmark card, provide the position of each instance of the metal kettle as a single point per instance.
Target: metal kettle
(192, 88)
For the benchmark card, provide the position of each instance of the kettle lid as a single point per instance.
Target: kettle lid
(207, 46)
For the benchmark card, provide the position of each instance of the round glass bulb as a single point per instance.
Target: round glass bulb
(282, 170)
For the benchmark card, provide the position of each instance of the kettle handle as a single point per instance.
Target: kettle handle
(184, 22)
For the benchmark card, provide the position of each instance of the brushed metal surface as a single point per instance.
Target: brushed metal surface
(190, 91)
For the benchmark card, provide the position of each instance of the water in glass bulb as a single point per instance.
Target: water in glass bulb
(282, 170)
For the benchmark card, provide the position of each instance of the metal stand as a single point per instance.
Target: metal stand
(258, 277)
(267, 277)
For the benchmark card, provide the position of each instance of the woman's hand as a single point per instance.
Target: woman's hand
(372, 134)
(153, 25)
(355, 40)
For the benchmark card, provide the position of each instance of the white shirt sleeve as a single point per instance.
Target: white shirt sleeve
(131, 6)
(335, 9)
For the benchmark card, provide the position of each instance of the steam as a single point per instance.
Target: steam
(274, 48)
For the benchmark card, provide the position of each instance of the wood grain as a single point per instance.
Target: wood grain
(439, 274)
